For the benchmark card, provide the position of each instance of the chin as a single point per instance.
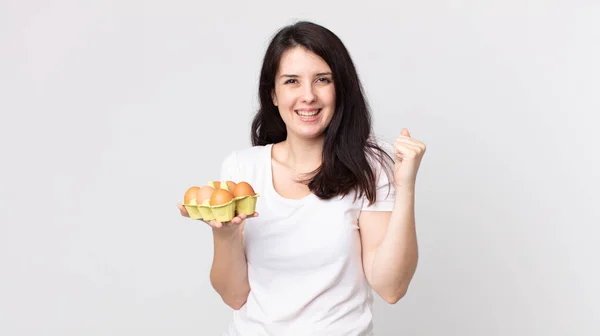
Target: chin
(309, 134)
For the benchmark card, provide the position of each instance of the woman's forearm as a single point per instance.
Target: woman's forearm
(395, 259)
(229, 272)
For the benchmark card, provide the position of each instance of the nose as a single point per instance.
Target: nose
(308, 95)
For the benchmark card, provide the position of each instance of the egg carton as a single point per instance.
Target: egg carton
(224, 212)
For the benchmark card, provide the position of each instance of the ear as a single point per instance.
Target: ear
(274, 97)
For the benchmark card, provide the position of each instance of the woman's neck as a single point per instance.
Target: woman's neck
(302, 155)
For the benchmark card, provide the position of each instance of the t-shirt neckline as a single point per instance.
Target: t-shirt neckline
(271, 187)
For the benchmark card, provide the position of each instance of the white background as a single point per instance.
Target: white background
(111, 109)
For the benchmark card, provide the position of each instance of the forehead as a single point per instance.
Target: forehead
(299, 60)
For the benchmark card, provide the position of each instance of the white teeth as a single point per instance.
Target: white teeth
(308, 114)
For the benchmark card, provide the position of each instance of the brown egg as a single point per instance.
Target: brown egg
(220, 197)
(190, 194)
(204, 193)
(243, 189)
(230, 186)
(216, 184)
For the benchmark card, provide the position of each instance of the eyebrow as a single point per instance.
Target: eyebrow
(296, 76)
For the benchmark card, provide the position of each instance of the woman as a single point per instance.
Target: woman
(336, 211)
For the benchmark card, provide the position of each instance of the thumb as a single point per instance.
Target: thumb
(405, 132)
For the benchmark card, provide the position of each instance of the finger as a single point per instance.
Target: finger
(406, 151)
(239, 219)
(411, 141)
(215, 224)
(407, 146)
(405, 132)
(182, 210)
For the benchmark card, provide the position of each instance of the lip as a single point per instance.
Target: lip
(310, 119)
(312, 109)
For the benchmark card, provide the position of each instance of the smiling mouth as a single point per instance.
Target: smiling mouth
(308, 114)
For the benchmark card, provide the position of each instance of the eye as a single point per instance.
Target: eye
(290, 81)
(324, 80)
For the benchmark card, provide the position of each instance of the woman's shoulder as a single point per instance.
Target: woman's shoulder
(249, 155)
(245, 161)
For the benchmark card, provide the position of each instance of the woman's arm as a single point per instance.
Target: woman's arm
(389, 245)
(229, 272)
(389, 239)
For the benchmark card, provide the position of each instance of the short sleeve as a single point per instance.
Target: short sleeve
(385, 190)
(229, 168)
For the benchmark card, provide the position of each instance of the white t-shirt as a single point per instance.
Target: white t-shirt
(304, 257)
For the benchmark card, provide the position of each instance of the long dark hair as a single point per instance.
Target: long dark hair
(348, 148)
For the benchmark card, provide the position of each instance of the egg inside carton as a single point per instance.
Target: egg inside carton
(220, 200)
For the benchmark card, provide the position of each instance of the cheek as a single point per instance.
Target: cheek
(331, 96)
(285, 99)
(332, 107)
(288, 101)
